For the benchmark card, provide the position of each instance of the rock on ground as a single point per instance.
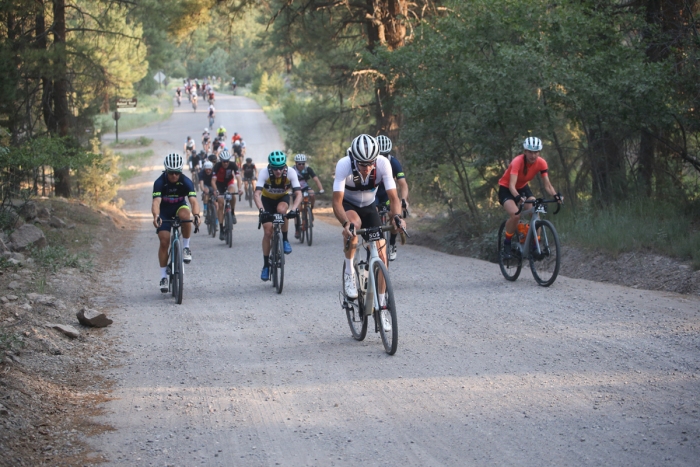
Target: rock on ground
(26, 236)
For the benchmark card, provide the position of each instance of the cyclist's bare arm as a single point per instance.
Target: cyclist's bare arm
(318, 182)
(155, 210)
(395, 204)
(340, 213)
(257, 198)
(549, 188)
(402, 186)
(297, 200)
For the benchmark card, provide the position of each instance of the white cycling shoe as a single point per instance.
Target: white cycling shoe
(350, 287)
(164, 285)
(186, 255)
(392, 252)
(385, 316)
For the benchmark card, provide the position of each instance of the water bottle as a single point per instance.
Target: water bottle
(522, 231)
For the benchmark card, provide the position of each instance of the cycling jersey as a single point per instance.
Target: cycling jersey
(206, 179)
(248, 170)
(211, 110)
(225, 175)
(237, 149)
(235, 138)
(397, 170)
(172, 194)
(193, 161)
(361, 192)
(525, 171)
(276, 188)
(190, 144)
(305, 175)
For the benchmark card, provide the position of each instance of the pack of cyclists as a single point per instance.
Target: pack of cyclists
(365, 179)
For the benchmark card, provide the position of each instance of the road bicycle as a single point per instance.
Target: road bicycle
(176, 265)
(248, 182)
(228, 220)
(375, 294)
(305, 221)
(540, 245)
(211, 218)
(178, 100)
(211, 122)
(277, 249)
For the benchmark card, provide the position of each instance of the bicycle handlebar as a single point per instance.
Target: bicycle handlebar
(537, 202)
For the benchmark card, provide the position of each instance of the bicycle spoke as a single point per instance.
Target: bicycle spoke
(386, 316)
(545, 262)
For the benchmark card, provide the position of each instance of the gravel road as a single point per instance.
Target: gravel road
(487, 372)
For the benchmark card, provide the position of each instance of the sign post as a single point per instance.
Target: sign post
(160, 77)
(123, 105)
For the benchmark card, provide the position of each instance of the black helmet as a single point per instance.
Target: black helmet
(249, 159)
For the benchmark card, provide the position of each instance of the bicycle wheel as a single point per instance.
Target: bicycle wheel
(273, 260)
(229, 229)
(178, 272)
(309, 225)
(280, 264)
(355, 314)
(390, 337)
(510, 268)
(250, 194)
(545, 264)
(301, 222)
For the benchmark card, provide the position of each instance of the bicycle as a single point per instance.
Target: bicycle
(228, 219)
(371, 288)
(277, 249)
(542, 249)
(176, 266)
(194, 104)
(210, 219)
(248, 182)
(306, 229)
(211, 122)
(384, 214)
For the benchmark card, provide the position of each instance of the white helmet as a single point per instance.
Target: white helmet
(206, 130)
(237, 143)
(173, 162)
(300, 158)
(225, 155)
(384, 144)
(208, 165)
(533, 144)
(364, 148)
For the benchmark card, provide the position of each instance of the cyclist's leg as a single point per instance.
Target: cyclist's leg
(221, 188)
(312, 198)
(185, 214)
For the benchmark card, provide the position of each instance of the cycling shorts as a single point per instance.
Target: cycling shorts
(270, 205)
(249, 179)
(504, 193)
(369, 217)
(222, 187)
(167, 214)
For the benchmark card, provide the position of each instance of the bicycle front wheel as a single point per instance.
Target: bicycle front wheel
(178, 272)
(280, 264)
(386, 317)
(300, 224)
(229, 229)
(510, 267)
(545, 263)
(309, 226)
(355, 312)
(250, 194)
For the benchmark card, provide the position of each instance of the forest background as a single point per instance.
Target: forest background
(612, 87)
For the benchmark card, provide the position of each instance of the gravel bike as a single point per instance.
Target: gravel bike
(211, 218)
(306, 220)
(277, 249)
(540, 245)
(249, 191)
(228, 220)
(375, 294)
(176, 265)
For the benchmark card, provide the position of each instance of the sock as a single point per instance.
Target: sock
(284, 236)
(266, 263)
(392, 240)
(185, 242)
(163, 272)
(348, 266)
(508, 237)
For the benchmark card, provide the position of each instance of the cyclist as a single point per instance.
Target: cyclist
(513, 187)
(226, 178)
(194, 98)
(237, 150)
(250, 174)
(178, 95)
(206, 140)
(304, 173)
(210, 93)
(206, 185)
(401, 185)
(357, 176)
(272, 196)
(193, 163)
(189, 145)
(221, 132)
(170, 192)
(212, 113)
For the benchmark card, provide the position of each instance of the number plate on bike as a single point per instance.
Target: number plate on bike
(278, 218)
(374, 235)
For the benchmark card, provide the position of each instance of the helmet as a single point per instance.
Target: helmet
(348, 153)
(206, 130)
(173, 162)
(212, 158)
(225, 155)
(237, 143)
(208, 165)
(533, 144)
(249, 160)
(277, 159)
(364, 148)
(384, 144)
(300, 158)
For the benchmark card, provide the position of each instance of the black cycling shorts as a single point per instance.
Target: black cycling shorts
(270, 205)
(504, 193)
(368, 214)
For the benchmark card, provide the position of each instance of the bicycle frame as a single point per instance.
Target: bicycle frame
(538, 207)
(375, 234)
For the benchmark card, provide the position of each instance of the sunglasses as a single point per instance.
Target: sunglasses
(365, 164)
(301, 163)
(172, 172)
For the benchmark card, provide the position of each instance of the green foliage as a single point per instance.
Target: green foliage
(131, 143)
(150, 109)
(10, 341)
(99, 181)
(53, 258)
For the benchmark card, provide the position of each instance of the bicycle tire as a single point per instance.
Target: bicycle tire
(309, 226)
(250, 193)
(229, 229)
(280, 265)
(510, 268)
(178, 272)
(390, 339)
(302, 226)
(273, 260)
(213, 219)
(358, 324)
(545, 265)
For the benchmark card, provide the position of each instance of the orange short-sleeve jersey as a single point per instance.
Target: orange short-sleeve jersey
(525, 171)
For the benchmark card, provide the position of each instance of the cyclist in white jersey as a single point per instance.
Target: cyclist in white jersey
(357, 176)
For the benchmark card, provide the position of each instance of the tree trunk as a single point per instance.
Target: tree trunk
(607, 167)
(60, 93)
(646, 162)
